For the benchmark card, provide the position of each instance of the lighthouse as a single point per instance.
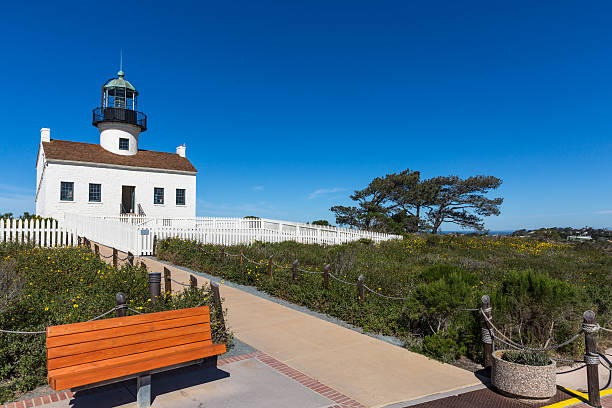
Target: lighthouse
(115, 177)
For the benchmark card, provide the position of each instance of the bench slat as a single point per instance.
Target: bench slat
(129, 330)
(72, 349)
(76, 376)
(73, 328)
(117, 351)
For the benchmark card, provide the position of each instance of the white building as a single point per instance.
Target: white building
(114, 177)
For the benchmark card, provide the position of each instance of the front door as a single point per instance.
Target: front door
(128, 198)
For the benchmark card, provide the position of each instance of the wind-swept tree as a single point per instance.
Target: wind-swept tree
(462, 201)
(402, 202)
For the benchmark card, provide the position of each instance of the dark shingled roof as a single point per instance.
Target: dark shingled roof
(94, 153)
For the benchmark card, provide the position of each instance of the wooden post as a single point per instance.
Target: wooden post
(591, 357)
(115, 257)
(130, 258)
(240, 258)
(167, 281)
(154, 285)
(487, 338)
(214, 287)
(361, 288)
(193, 282)
(120, 298)
(97, 250)
(222, 259)
(155, 245)
(294, 269)
(326, 277)
(143, 265)
(270, 266)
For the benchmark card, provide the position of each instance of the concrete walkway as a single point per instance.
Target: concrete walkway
(371, 371)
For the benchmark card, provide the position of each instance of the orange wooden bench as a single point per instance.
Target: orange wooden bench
(90, 354)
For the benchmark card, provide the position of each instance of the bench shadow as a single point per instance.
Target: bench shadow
(124, 392)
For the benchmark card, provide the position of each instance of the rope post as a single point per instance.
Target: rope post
(154, 285)
(214, 287)
(222, 256)
(591, 357)
(167, 280)
(270, 266)
(115, 257)
(240, 258)
(193, 282)
(121, 299)
(294, 269)
(361, 287)
(155, 245)
(487, 339)
(326, 277)
(130, 258)
(97, 250)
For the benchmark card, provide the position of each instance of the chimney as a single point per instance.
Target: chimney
(45, 135)
(180, 150)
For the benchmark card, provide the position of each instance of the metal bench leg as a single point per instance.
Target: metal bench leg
(143, 391)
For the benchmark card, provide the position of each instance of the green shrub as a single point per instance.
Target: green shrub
(539, 290)
(531, 358)
(66, 285)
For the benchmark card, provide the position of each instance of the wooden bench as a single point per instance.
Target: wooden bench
(90, 354)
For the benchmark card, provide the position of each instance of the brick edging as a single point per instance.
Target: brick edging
(342, 400)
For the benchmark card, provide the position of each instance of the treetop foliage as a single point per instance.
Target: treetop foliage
(403, 202)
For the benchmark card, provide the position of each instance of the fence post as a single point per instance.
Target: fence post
(240, 257)
(591, 357)
(270, 266)
(294, 269)
(487, 339)
(326, 277)
(130, 258)
(222, 255)
(97, 250)
(167, 280)
(214, 286)
(193, 282)
(155, 245)
(115, 257)
(154, 285)
(360, 287)
(120, 298)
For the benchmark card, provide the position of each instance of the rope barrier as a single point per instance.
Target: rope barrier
(107, 312)
(509, 342)
(135, 311)
(385, 296)
(21, 332)
(180, 283)
(311, 272)
(340, 280)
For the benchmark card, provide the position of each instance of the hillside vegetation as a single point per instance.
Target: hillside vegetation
(539, 289)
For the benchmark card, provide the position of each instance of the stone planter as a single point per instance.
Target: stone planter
(523, 381)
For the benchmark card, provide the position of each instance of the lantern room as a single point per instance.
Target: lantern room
(117, 118)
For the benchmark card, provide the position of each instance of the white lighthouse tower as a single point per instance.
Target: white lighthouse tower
(118, 119)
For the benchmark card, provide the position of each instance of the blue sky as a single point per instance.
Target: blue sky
(286, 108)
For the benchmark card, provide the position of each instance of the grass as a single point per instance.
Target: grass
(539, 289)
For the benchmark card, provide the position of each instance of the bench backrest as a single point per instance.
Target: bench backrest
(86, 342)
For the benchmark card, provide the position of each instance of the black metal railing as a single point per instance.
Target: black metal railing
(119, 115)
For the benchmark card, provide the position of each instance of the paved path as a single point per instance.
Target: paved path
(371, 371)
(253, 380)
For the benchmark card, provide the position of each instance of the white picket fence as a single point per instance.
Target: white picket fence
(136, 234)
(45, 233)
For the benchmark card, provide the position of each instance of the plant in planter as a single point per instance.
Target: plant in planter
(524, 374)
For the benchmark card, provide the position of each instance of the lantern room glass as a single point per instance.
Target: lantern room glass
(120, 98)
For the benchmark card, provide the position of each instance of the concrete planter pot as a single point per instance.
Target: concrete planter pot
(523, 381)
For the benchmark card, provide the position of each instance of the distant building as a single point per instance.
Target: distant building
(114, 177)
(579, 238)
